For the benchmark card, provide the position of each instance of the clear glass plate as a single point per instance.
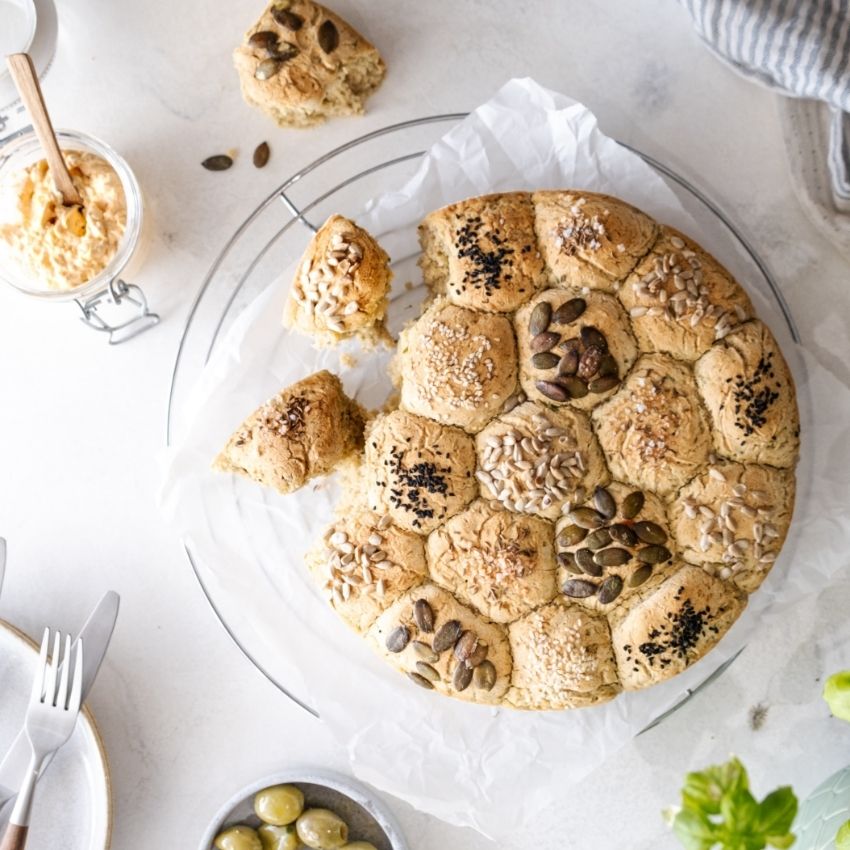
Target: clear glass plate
(274, 236)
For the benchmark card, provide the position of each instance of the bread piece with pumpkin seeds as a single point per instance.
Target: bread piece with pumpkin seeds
(442, 645)
(589, 239)
(304, 431)
(301, 63)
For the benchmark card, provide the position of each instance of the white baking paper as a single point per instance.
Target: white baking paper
(466, 764)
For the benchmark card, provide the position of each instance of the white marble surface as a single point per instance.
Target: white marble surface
(184, 716)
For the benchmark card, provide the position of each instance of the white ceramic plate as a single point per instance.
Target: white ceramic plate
(72, 808)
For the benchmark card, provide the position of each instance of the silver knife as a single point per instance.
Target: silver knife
(96, 633)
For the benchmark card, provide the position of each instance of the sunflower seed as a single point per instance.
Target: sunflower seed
(570, 535)
(653, 554)
(540, 317)
(462, 677)
(612, 557)
(602, 385)
(264, 40)
(632, 504)
(427, 671)
(446, 636)
(598, 539)
(268, 68)
(650, 532)
(420, 680)
(287, 19)
(423, 613)
(578, 588)
(568, 363)
(586, 518)
(552, 391)
(622, 534)
(398, 639)
(610, 589)
(588, 364)
(545, 360)
(485, 676)
(569, 311)
(261, 155)
(544, 341)
(466, 644)
(328, 37)
(425, 652)
(640, 575)
(590, 336)
(604, 502)
(219, 162)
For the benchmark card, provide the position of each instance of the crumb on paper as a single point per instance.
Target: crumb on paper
(232, 152)
(758, 716)
(347, 360)
(408, 285)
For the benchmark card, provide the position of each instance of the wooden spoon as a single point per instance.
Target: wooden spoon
(26, 81)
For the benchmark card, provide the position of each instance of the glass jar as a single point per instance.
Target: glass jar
(108, 303)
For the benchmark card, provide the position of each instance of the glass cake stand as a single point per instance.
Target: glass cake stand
(273, 236)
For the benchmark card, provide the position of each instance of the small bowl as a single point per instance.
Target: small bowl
(19, 38)
(24, 150)
(367, 817)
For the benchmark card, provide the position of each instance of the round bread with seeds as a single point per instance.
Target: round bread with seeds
(573, 348)
(594, 444)
(341, 286)
(418, 472)
(457, 366)
(500, 563)
(444, 646)
(537, 460)
(363, 562)
(482, 253)
(749, 392)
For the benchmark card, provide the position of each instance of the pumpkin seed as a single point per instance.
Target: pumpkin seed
(544, 341)
(268, 68)
(572, 344)
(219, 162)
(420, 680)
(597, 539)
(578, 588)
(285, 52)
(623, 535)
(575, 387)
(261, 155)
(608, 367)
(398, 639)
(650, 532)
(287, 19)
(425, 652)
(632, 504)
(588, 365)
(485, 676)
(552, 391)
(264, 40)
(446, 636)
(328, 37)
(640, 575)
(478, 656)
(604, 502)
(654, 554)
(568, 363)
(427, 671)
(602, 385)
(466, 644)
(586, 518)
(590, 336)
(423, 613)
(462, 677)
(585, 561)
(570, 535)
(545, 360)
(612, 557)
(569, 311)
(568, 562)
(540, 317)
(610, 589)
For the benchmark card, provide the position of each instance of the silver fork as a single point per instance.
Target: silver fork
(51, 717)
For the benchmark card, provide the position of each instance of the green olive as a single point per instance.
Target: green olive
(360, 845)
(279, 837)
(322, 829)
(279, 805)
(238, 838)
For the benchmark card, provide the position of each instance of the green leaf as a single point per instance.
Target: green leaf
(740, 812)
(842, 839)
(776, 813)
(694, 831)
(836, 692)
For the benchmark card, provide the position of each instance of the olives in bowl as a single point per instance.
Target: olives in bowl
(304, 810)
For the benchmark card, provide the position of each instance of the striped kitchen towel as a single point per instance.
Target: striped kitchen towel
(798, 47)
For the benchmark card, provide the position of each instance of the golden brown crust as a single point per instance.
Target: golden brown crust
(331, 68)
(305, 430)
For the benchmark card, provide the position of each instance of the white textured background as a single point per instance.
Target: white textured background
(185, 718)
